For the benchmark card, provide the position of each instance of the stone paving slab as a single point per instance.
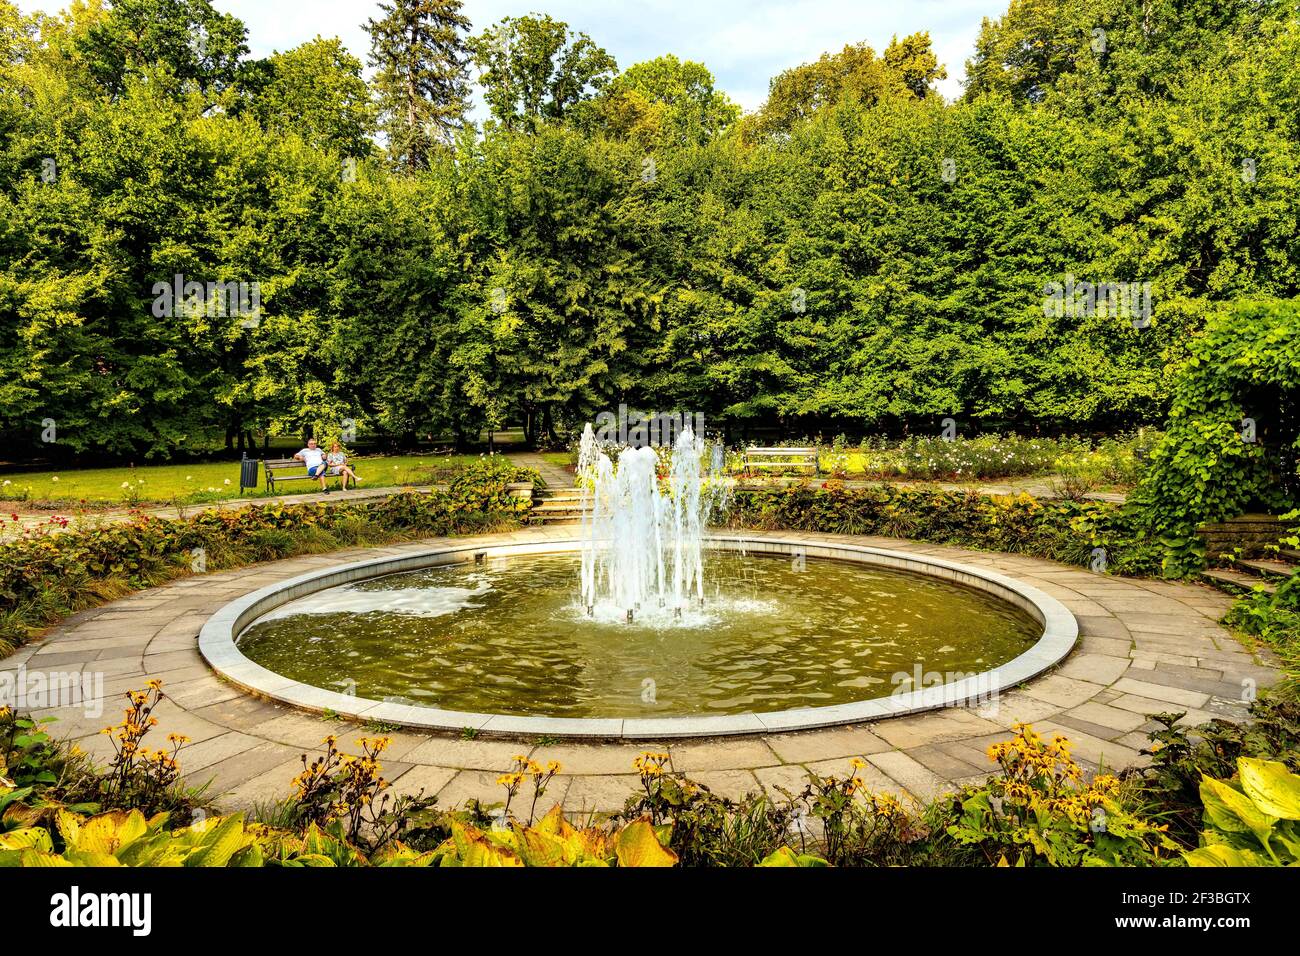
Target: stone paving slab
(1145, 647)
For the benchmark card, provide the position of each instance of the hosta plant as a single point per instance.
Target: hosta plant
(555, 842)
(1251, 820)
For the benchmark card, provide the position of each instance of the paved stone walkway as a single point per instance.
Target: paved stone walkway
(1145, 647)
(553, 475)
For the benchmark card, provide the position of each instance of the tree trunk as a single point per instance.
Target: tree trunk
(548, 425)
(530, 429)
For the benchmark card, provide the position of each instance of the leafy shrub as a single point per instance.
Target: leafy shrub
(1040, 810)
(485, 486)
(706, 829)
(1252, 820)
(28, 757)
(1111, 461)
(138, 777)
(987, 456)
(1170, 786)
(1274, 618)
(344, 794)
(1241, 368)
(555, 842)
(128, 838)
(855, 827)
(1066, 531)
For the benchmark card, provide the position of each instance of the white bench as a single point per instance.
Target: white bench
(759, 458)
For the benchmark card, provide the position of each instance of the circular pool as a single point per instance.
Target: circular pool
(789, 634)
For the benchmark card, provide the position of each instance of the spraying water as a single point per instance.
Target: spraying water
(642, 554)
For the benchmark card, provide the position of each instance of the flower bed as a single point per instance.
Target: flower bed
(1232, 798)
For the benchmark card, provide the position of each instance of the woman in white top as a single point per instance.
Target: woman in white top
(338, 464)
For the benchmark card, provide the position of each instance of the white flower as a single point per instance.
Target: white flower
(54, 478)
(126, 484)
(227, 481)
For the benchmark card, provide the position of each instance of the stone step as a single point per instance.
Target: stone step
(562, 496)
(1234, 582)
(575, 507)
(1266, 567)
(1290, 554)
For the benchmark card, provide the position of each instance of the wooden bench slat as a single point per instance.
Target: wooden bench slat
(795, 458)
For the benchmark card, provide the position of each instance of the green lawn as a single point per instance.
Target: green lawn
(198, 483)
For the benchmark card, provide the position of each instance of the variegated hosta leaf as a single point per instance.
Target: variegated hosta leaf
(1272, 788)
(637, 845)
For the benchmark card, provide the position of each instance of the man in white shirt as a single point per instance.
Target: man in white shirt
(314, 459)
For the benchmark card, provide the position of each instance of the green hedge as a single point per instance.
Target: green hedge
(1059, 529)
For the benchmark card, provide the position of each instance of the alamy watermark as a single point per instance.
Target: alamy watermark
(1077, 300)
(213, 299)
(949, 688)
(641, 429)
(37, 690)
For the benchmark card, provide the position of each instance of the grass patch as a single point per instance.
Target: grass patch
(205, 482)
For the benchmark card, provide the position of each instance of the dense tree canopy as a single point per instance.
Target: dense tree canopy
(859, 254)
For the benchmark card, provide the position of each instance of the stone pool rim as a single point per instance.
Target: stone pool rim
(219, 633)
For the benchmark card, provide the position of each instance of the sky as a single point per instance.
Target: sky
(744, 42)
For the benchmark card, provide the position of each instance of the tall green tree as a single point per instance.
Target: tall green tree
(535, 68)
(795, 95)
(419, 51)
(914, 60)
(665, 101)
(317, 91)
(188, 42)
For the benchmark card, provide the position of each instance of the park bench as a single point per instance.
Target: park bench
(758, 458)
(288, 469)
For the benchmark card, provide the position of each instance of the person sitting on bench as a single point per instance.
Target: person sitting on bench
(338, 462)
(314, 459)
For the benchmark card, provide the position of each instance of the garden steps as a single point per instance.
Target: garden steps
(561, 505)
(1267, 567)
(1236, 582)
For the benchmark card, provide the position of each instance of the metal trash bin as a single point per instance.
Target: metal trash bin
(247, 473)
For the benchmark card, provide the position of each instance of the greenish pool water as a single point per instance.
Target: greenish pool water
(509, 637)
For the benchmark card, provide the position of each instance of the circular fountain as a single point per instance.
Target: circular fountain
(643, 624)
